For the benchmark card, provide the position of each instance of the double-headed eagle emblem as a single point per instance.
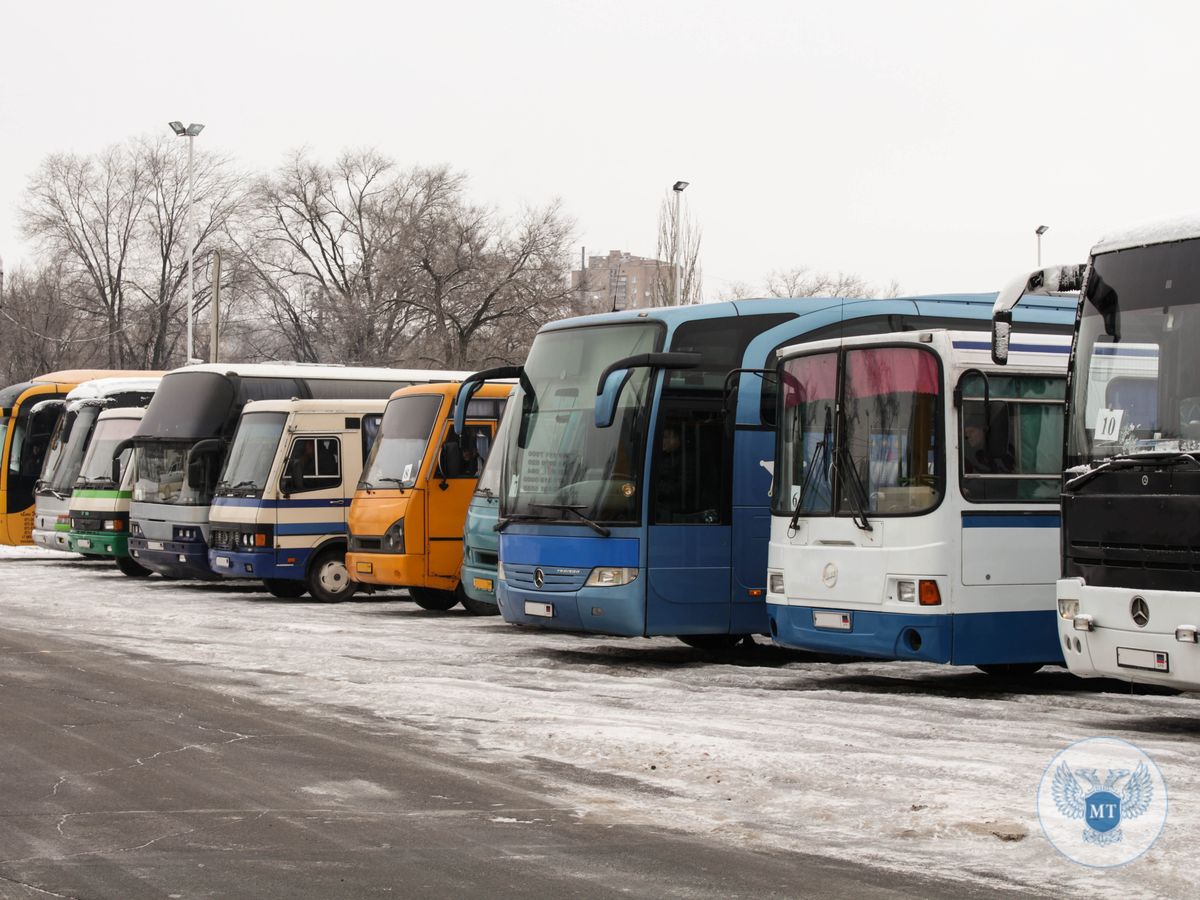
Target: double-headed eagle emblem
(1102, 806)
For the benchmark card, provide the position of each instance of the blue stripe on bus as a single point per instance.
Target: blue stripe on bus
(328, 502)
(311, 528)
(1020, 348)
(1102, 350)
(1010, 520)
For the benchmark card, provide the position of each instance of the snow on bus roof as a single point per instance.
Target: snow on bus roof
(1181, 227)
(105, 387)
(315, 370)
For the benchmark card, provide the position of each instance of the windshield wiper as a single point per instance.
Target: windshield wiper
(818, 450)
(858, 491)
(575, 511)
(503, 523)
(399, 482)
(1129, 461)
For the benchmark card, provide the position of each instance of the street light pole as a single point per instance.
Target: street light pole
(192, 228)
(1041, 229)
(679, 187)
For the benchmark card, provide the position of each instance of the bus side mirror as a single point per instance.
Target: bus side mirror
(612, 380)
(196, 463)
(1001, 333)
(116, 459)
(469, 387)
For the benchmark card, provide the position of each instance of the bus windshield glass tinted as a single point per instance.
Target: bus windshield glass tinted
(97, 464)
(249, 462)
(556, 457)
(1136, 374)
(396, 455)
(489, 481)
(189, 406)
(885, 455)
(165, 474)
(65, 458)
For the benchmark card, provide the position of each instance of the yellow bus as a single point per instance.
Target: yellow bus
(406, 519)
(24, 436)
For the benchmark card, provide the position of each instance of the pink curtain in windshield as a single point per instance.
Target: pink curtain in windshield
(809, 378)
(891, 370)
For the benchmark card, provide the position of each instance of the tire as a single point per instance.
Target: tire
(328, 578)
(1010, 670)
(717, 643)
(476, 607)
(285, 588)
(131, 567)
(434, 600)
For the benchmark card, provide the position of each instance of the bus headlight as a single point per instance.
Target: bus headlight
(113, 525)
(393, 538)
(611, 576)
(1068, 609)
(775, 582)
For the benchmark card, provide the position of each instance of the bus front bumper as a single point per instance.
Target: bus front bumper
(618, 610)
(50, 539)
(99, 543)
(862, 633)
(1102, 640)
(174, 559)
(479, 582)
(291, 564)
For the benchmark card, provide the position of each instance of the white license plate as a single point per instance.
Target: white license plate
(825, 619)
(154, 545)
(1151, 660)
(85, 543)
(545, 610)
(223, 562)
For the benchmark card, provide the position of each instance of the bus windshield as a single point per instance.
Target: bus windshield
(249, 463)
(1135, 384)
(97, 464)
(396, 456)
(489, 480)
(66, 450)
(164, 475)
(556, 458)
(884, 456)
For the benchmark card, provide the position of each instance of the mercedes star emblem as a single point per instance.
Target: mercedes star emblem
(1139, 611)
(539, 577)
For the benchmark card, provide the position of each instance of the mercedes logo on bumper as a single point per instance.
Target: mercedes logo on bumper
(539, 577)
(1139, 611)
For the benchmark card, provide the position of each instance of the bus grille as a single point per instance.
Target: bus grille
(554, 578)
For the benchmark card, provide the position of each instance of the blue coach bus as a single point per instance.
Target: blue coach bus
(635, 482)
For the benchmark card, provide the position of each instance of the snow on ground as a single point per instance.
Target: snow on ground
(911, 767)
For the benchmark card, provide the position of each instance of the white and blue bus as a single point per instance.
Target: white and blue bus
(185, 435)
(915, 511)
(634, 496)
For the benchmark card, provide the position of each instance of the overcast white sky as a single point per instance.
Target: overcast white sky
(921, 141)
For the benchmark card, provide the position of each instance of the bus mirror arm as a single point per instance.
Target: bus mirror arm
(1050, 280)
(473, 383)
(731, 376)
(612, 379)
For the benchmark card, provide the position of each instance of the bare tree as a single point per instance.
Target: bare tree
(39, 332)
(678, 243)
(114, 224)
(801, 281)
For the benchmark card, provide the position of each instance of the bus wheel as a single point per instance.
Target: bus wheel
(429, 598)
(129, 566)
(476, 607)
(1010, 670)
(285, 588)
(329, 579)
(716, 642)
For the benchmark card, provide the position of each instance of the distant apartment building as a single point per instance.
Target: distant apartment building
(618, 281)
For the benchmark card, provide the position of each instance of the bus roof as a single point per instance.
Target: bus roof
(490, 389)
(335, 407)
(1026, 348)
(122, 412)
(317, 370)
(106, 387)
(1182, 227)
(673, 315)
(78, 376)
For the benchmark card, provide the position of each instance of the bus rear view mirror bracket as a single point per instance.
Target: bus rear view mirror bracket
(1050, 280)
(468, 389)
(612, 380)
(116, 459)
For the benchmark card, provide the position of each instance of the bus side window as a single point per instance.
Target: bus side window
(314, 464)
